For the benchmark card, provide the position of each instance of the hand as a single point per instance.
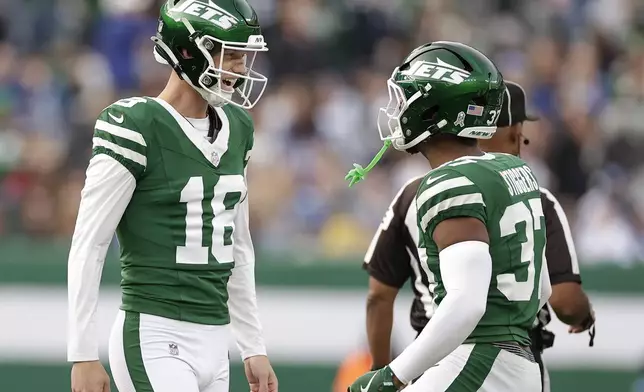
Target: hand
(89, 376)
(260, 374)
(584, 325)
(375, 381)
(576, 329)
(397, 383)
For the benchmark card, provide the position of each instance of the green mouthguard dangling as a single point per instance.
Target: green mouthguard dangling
(358, 173)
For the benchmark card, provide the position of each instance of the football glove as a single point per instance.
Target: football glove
(375, 381)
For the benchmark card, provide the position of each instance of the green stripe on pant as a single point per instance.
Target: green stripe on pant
(133, 354)
(476, 369)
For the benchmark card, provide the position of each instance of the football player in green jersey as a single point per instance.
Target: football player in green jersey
(168, 174)
(481, 228)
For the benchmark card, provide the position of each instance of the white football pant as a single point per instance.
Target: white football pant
(480, 368)
(150, 353)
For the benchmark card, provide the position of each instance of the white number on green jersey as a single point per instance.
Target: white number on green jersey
(130, 102)
(513, 215)
(223, 221)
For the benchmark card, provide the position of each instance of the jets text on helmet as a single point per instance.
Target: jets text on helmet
(208, 11)
(439, 70)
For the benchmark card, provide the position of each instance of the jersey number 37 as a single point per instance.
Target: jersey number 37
(514, 215)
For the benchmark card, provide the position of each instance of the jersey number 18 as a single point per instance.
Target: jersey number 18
(227, 193)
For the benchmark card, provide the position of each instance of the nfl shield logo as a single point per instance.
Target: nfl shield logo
(173, 348)
(214, 158)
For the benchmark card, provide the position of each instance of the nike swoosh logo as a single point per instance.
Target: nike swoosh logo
(117, 119)
(432, 180)
(366, 388)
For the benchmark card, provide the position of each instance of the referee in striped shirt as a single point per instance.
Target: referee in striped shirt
(393, 258)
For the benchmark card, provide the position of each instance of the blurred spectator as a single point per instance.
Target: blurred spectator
(582, 62)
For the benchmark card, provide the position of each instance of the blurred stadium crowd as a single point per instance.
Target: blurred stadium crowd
(581, 62)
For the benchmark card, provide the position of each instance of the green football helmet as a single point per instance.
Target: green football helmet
(190, 32)
(441, 87)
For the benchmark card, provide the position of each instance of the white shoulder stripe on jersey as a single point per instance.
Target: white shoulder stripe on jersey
(125, 152)
(442, 187)
(472, 198)
(566, 229)
(120, 132)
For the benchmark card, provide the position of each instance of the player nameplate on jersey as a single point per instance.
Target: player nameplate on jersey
(214, 158)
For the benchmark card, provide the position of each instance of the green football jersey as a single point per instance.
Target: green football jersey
(176, 235)
(501, 191)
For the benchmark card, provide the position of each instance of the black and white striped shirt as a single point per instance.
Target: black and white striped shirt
(393, 258)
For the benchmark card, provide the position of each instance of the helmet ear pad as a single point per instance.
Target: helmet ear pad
(159, 51)
(193, 60)
(162, 53)
(187, 59)
(430, 117)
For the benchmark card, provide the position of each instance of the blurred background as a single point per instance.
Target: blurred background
(580, 61)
